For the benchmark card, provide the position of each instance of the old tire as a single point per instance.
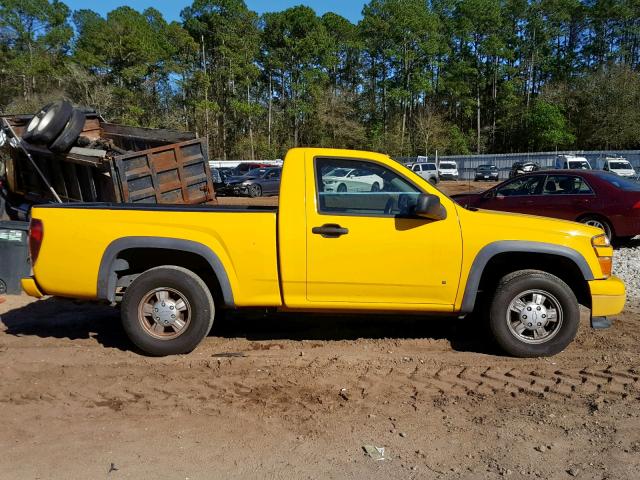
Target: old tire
(27, 135)
(533, 314)
(70, 133)
(255, 191)
(147, 309)
(55, 117)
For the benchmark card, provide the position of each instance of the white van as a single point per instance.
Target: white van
(572, 162)
(618, 165)
(448, 169)
(428, 171)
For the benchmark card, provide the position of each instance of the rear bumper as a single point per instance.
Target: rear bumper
(31, 288)
(607, 298)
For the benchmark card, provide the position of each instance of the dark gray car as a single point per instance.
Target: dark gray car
(257, 182)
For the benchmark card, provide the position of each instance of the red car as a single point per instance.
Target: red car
(596, 198)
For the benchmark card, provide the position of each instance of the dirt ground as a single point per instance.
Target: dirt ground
(298, 396)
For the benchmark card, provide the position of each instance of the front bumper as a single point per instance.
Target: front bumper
(31, 288)
(607, 298)
(448, 176)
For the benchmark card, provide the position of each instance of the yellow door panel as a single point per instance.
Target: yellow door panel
(379, 256)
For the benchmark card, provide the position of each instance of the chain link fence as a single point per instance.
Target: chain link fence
(467, 164)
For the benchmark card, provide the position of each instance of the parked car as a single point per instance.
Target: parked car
(618, 165)
(572, 162)
(487, 172)
(448, 170)
(327, 251)
(257, 182)
(220, 178)
(244, 167)
(593, 197)
(428, 171)
(351, 180)
(520, 168)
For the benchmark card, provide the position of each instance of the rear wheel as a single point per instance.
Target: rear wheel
(167, 310)
(600, 223)
(533, 314)
(375, 187)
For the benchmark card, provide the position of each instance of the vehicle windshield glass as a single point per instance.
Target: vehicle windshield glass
(620, 165)
(579, 165)
(487, 167)
(448, 166)
(429, 166)
(619, 182)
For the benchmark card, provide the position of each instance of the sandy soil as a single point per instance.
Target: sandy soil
(298, 396)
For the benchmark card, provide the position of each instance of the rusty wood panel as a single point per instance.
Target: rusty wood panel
(111, 130)
(165, 174)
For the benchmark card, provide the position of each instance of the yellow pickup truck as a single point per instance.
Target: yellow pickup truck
(354, 231)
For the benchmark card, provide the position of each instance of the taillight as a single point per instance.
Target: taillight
(36, 234)
(637, 206)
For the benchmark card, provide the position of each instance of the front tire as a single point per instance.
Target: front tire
(255, 191)
(167, 310)
(533, 314)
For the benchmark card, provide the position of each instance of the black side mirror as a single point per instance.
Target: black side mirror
(429, 206)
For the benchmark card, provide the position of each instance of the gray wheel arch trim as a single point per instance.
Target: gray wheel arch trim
(511, 246)
(107, 272)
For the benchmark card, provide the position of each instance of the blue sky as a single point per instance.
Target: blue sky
(350, 9)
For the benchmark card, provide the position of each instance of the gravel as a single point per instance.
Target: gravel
(626, 265)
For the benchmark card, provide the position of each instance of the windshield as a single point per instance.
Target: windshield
(619, 165)
(448, 166)
(579, 165)
(487, 167)
(620, 182)
(429, 166)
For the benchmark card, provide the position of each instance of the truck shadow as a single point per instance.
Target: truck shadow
(66, 319)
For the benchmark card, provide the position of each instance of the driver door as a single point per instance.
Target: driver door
(364, 247)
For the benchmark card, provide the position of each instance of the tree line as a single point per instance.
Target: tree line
(411, 77)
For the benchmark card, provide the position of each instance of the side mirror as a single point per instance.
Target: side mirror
(429, 206)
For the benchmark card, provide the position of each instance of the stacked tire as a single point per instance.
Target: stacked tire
(57, 126)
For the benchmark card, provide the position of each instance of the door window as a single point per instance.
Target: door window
(367, 189)
(521, 186)
(565, 185)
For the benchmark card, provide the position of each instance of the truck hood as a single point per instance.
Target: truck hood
(531, 226)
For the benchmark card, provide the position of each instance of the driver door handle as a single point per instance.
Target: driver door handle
(330, 230)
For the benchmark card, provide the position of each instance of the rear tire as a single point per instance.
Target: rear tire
(601, 223)
(533, 314)
(149, 319)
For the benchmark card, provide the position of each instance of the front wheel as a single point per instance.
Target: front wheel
(255, 191)
(533, 314)
(167, 310)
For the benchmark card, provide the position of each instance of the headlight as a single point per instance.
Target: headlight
(604, 252)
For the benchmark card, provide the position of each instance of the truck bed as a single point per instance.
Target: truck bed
(78, 236)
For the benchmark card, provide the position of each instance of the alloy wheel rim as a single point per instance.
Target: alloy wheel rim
(164, 313)
(534, 316)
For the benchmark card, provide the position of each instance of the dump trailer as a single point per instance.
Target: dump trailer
(107, 163)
